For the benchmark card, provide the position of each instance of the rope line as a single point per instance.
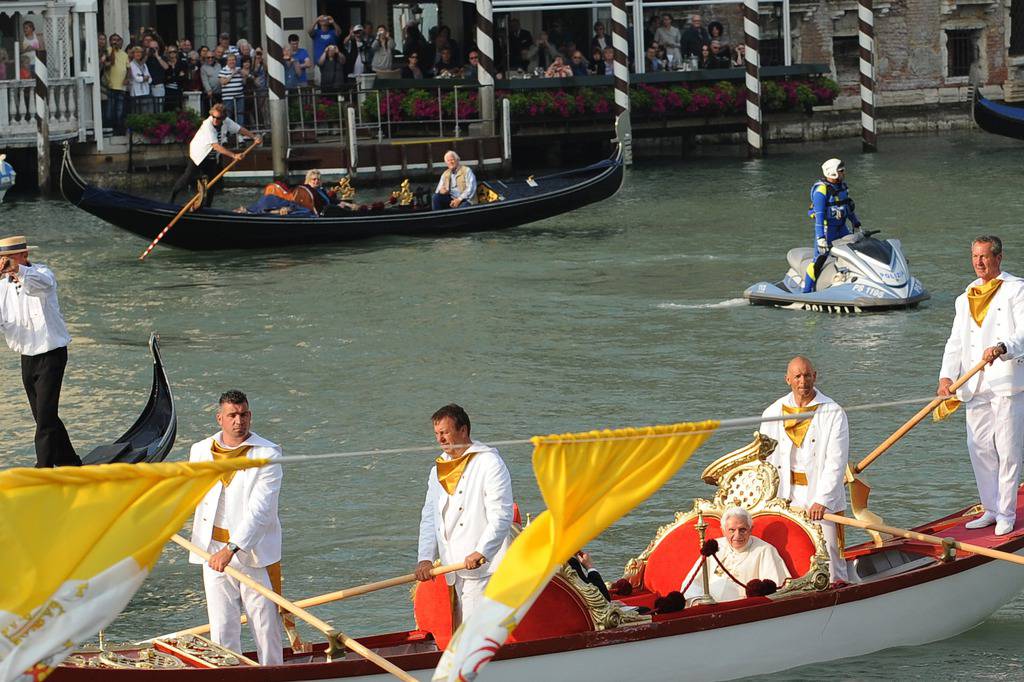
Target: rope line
(737, 424)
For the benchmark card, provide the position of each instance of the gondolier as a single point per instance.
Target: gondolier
(34, 327)
(204, 148)
(467, 512)
(988, 325)
(831, 207)
(811, 455)
(237, 523)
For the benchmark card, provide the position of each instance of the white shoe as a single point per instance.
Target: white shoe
(1004, 527)
(986, 519)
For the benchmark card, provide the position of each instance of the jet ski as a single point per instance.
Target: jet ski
(860, 274)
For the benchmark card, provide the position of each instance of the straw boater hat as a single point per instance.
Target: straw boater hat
(13, 245)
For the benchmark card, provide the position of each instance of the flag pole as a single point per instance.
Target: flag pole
(333, 635)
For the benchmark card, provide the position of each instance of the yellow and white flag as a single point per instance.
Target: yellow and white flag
(77, 543)
(589, 481)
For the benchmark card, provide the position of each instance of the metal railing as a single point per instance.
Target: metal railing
(381, 110)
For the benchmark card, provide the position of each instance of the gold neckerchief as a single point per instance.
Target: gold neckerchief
(449, 471)
(979, 298)
(220, 452)
(796, 429)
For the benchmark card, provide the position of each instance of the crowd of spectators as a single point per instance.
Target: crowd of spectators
(147, 75)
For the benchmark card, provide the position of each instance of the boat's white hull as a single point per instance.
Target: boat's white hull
(915, 615)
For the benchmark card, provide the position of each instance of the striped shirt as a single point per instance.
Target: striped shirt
(233, 88)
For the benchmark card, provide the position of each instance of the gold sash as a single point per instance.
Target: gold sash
(796, 429)
(979, 298)
(220, 452)
(795, 477)
(449, 471)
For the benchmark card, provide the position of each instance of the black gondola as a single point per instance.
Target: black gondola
(151, 437)
(998, 118)
(523, 202)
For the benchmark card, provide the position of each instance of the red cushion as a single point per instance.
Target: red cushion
(558, 611)
(432, 606)
(792, 542)
(672, 559)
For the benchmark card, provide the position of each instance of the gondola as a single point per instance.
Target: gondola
(901, 593)
(998, 118)
(520, 202)
(151, 437)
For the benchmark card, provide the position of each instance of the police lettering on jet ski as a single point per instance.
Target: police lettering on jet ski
(831, 207)
(845, 271)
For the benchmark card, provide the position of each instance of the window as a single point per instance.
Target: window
(1016, 28)
(960, 52)
(846, 53)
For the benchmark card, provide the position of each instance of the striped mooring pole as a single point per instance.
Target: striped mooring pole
(752, 41)
(485, 71)
(275, 81)
(866, 40)
(620, 43)
(42, 98)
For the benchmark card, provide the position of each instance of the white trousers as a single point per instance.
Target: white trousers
(468, 592)
(225, 597)
(836, 560)
(995, 441)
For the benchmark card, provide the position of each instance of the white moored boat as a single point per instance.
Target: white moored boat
(905, 593)
(7, 176)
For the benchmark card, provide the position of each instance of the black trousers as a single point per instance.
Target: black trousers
(42, 376)
(209, 167)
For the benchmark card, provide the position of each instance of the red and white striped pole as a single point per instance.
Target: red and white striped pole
(866, 40)
(752, 40)
(620, 43)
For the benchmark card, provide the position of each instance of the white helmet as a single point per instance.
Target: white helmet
(832, 168)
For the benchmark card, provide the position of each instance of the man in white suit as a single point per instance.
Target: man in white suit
(811, 455)
(989, 325)
(237, 523)
(468, 510)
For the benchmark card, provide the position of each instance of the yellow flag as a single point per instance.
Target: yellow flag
(78, 542)
(589, 481)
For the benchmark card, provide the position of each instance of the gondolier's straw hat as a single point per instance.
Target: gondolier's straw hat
(12, 245)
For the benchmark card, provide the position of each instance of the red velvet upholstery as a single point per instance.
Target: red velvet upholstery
(672, 559)
(558, 611)
(675, 554)
(432, 606)
(795, 546)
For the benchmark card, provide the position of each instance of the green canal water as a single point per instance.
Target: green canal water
(624, 313)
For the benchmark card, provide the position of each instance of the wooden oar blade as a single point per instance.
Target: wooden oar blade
(859, 493)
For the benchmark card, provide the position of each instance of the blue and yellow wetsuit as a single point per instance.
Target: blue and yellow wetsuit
(831, 207)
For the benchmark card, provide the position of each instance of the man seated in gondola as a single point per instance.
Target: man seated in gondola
(740, 558)
(457, 186)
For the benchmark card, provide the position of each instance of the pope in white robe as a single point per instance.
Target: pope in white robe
(744, 556)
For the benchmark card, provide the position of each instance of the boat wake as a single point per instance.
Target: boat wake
(730, 303)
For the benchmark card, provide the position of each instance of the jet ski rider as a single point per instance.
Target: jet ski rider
(831, 206)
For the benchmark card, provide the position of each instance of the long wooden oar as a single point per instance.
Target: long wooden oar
(915, 420)
(339, 595)
(196, 198)
(859, 488)
(931, 539)
(332, 634)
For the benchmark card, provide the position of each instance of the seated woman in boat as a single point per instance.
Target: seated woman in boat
(308, 199)
(742, 555)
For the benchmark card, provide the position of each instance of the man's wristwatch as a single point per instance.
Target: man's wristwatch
(233, 547)
(1002, 347)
